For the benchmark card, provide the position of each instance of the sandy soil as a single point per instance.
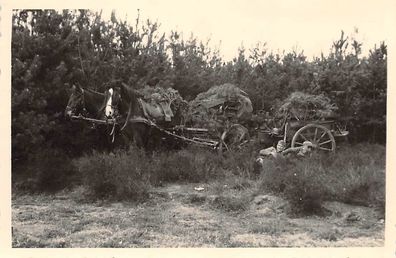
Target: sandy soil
(179, 216)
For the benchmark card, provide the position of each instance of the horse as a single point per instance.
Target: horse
(135, 126)
(141, 120)
(85, 102)
(93, 105)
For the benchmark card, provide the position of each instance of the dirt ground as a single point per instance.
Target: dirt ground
(180, 216)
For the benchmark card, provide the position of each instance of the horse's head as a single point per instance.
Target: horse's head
(112, 102)
(75, 105)
(109, 109)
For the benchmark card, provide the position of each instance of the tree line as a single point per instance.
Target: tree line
(52, 50)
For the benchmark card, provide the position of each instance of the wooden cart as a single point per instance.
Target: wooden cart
(321, 133)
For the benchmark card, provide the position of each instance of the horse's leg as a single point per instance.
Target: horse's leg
(124, 141)
(138, 136)
(142, 136)
(109, 140)
(127, 136)
(146, 134)
(149, 138)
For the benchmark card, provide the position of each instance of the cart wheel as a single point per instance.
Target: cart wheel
(234, 138)
(318, 135)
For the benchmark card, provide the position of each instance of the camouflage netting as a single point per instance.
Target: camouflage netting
(173, 105)
(305, 106)
(207, 109)
(158, 94)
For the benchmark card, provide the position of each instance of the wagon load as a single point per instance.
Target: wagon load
(306, 119)
(220, 110)
(220, 103)
(157, 103)
(303, 106)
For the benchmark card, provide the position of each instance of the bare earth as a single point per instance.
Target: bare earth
(179, 216)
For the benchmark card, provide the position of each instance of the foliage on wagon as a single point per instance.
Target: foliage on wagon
(171, 97)
(304, 106)
(218, 104)
(159, 94)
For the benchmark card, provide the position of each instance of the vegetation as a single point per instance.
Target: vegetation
(171, 219)
(117, 176)
(353, 175)
(227, 213)
(307, 107)
(52, 50)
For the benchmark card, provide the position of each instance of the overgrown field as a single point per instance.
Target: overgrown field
(354, 174)
(321, 186)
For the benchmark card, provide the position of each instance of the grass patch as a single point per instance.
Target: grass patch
(330, 235)
(231, 203)
(274, 227)
(21, 241)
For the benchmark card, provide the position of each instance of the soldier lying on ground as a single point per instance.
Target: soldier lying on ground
(281, 150)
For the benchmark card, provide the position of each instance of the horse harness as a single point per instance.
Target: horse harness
(84, 113)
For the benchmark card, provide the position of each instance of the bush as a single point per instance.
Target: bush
(128, 175)
(123, 175)
(352, 175)
(297, 182)
(358, 175)
(195, 164)
(241, 162)
(191, 164)
(49, 170)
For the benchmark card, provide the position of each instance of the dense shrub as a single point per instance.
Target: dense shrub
(352, 175)
(191, 164)
(195, 164)
(241, 162)
(123, 175)
(128, 175)
(357, 176)
(50, 170)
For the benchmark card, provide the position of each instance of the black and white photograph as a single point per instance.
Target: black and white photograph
(198, 124)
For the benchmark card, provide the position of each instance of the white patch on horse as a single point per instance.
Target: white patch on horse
(109, 108)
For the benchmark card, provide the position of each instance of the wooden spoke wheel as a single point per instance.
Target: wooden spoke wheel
(321, 137)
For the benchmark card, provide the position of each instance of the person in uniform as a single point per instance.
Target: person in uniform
(281, 151)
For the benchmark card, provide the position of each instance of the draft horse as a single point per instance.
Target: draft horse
(134, 125)
(142, 122)
(85, 102)
(91, 104)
